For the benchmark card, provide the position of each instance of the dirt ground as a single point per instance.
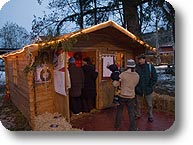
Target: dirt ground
(11, 118)
(103, 120)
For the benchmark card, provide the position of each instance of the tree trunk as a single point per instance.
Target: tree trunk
(80, 18)
(95, 12)
(130, 16)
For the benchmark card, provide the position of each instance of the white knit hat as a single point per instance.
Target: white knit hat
(131, 63)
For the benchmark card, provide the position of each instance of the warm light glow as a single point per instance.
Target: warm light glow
(154, 49)
(17, 51)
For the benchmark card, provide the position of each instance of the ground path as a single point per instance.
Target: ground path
(104, 121)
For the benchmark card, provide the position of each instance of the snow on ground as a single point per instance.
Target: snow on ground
(166, 82)
(2, 78)
(161, 66)
(2, 83)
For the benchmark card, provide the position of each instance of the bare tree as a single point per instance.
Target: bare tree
(134, 15)
(13, 36)
(81, 13)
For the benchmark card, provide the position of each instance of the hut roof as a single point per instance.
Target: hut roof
(6, 50)
(107, 27)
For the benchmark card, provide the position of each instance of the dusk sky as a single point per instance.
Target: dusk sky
(21, 12)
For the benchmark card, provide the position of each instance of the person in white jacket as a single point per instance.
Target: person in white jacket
(128, 79)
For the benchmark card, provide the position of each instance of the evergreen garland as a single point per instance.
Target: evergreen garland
(65, 44)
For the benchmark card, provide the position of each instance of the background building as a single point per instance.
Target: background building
(165, 52)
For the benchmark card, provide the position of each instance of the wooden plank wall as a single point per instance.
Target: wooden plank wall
(19, 92)
(29, 101)
(44, 95)
(61, 105)
(44, 98)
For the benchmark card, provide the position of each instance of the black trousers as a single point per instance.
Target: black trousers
(88, 104)
(75, 104)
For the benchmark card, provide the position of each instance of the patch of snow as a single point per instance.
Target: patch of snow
(160, 66)
(2, 78)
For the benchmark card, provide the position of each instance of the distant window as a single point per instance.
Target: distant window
(15, 70)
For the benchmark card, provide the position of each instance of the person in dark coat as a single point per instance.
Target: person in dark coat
(77, 84)
(89, 90)
(115, 78)
(148, 78)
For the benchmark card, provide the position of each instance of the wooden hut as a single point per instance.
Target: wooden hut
(37, 85)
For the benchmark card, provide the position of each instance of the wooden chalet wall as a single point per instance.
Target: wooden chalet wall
(29, 97)
(44, 93)
(18, 88)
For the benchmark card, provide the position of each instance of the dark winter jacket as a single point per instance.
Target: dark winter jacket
(147, 79)
(115, 72)
(89, 81)
(77, 80)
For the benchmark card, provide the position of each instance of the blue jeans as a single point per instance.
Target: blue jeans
(148, 99)
(130, 107)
